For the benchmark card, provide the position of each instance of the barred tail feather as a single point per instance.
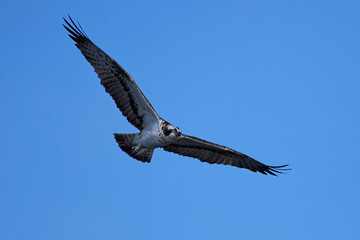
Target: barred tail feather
(125, 142)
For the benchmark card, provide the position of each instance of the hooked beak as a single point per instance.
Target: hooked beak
(178, 134)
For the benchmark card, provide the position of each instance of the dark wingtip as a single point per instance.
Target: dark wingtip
(77, 33)
(273, 170)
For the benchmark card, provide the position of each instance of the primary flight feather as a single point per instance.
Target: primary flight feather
(155, 132)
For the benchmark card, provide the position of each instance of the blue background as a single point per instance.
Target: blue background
(277, 80)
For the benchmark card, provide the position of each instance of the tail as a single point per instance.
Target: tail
(125, 142)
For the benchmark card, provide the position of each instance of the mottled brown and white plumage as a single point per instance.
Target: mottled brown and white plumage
(154, 131)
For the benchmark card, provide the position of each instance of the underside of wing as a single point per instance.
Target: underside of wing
(212, 153)
(117, 82)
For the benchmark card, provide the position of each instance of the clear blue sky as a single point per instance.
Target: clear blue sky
(277, 80)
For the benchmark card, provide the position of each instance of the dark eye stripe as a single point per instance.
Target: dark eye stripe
(167, 132)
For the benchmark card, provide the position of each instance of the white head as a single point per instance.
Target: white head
(171, 131)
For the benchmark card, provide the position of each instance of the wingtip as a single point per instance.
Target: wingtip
(76, 31)
(274, 170)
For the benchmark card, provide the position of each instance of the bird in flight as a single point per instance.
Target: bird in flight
(155, 132)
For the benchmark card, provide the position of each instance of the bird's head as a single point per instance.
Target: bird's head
(171, 131)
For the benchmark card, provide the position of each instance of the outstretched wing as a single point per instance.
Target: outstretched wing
(117, 82)
(213, 153)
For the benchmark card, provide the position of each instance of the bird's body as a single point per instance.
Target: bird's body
(154, 136)
(155, 132)
(149, 139)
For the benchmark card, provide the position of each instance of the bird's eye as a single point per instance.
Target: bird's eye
(174, 130)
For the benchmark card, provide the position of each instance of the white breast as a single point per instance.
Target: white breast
(149, 138)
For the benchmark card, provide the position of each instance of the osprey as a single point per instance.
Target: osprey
(155, 132)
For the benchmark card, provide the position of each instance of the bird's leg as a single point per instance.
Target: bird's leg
(135, 149)
(138, 150)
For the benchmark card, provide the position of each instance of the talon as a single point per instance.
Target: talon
(136, 149)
